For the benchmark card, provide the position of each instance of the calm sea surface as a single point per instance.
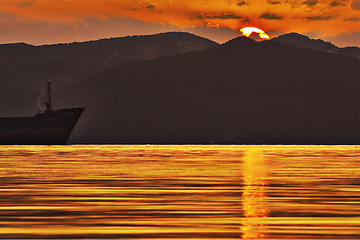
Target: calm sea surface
(179, 192)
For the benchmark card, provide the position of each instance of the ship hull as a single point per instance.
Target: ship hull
(48, 128)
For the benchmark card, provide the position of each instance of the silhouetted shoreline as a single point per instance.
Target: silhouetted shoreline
(241, 92)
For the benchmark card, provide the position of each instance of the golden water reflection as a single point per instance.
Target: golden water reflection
(179, 192)
(254, 194)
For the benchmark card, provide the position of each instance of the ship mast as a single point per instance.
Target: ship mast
(48, 104)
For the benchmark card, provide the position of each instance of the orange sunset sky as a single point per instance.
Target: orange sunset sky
(53, 21)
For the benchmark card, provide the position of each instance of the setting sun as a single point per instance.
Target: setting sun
(247, 31)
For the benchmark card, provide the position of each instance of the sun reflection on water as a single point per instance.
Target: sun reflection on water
(179, 192)
(254, 195)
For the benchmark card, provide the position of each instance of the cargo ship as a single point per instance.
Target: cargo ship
(49, 127)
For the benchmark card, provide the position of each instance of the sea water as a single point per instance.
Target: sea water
(179, 192)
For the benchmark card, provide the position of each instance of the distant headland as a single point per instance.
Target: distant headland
(178, 88)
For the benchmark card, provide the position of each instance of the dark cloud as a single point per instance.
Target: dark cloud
(150, 6)
(335, 4)
(216, 16)
(223, 16)
(273, 2)
(270, 16)
(310, 2)
(27, 4)
(242, 3)
(320, 18)
(353, 19)
(338, 3)
(199, 16)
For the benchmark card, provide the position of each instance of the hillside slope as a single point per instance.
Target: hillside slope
(241, 92)
(317, 45)
(28, 67)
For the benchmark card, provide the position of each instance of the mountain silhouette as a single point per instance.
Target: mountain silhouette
(27, 68)
(240, 92)
(317, 44)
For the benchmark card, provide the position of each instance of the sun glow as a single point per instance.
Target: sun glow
(247, 31)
